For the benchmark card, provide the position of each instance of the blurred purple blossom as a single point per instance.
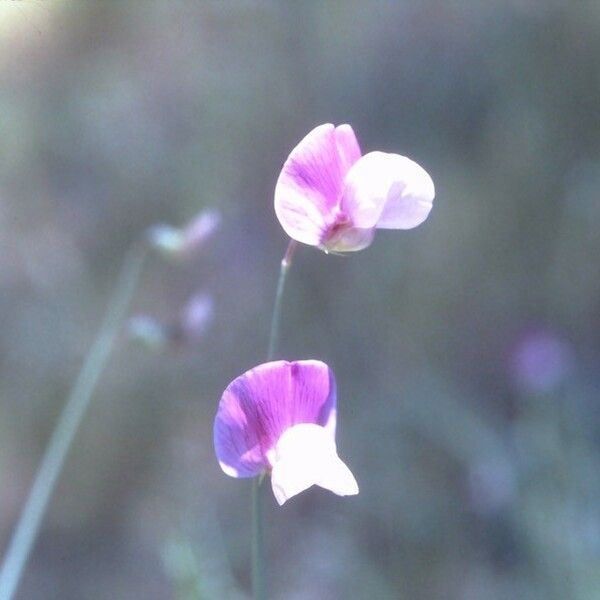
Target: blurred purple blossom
(196, 316)
(187, 328)
(148, 332)
(280, 417)
(540, 361)
(183, 243)
(330, 196)
(200, 229)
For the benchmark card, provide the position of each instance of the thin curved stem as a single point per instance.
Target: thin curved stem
(258, 562)
(286, 263)
(27, 528)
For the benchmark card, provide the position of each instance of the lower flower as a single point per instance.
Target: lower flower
(280, 418)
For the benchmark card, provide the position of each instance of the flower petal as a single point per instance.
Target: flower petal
(310, 184)
(304, 456)
(349, 240)
(336, 477)
(257, 407)
(387, 191)
(348, 148)
(411, 194)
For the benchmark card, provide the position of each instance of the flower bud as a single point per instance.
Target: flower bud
(166, 239)
(541, 361)
(177, 243)
(148, 332)
(196, 316)
(200, 230)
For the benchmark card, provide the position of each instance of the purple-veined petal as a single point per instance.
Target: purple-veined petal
(306, 455)
(387, 191)
(310, 184)
(257, 407)
(348, 147)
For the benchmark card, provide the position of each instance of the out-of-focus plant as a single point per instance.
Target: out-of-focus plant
(187, 328)
(194, 318)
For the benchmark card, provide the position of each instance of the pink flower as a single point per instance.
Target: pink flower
(330, 196)
(280, 418)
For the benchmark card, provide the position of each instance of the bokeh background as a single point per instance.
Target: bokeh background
(467, 351)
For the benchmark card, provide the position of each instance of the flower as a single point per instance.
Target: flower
(196, 316)
(184, 330)
(148, 332)
(179, 243)
(330, 196)
(280, 418)
(541, 361)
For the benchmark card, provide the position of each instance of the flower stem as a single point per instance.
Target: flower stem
(258, 559)
(286, 263)
(258, 562)
(27, 528)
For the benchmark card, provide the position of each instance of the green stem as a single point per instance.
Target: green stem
(27, 528)
(258, 562)
(258, 559)
(286, 263)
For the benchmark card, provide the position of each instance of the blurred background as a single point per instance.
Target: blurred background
(467, 351)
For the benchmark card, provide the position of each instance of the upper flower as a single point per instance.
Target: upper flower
(330, 196)
(280, 417)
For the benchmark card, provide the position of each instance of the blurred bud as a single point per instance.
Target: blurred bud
(200, 230)
(186, 329)
(193, 320)
(166, 239)
(197, 315)
(182, 243)
(491, 484)
(148, 332)
(541, 361)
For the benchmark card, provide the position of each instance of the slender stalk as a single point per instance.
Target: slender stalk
(258, 559)
(258, 562)
(286, 263)
(27, 528)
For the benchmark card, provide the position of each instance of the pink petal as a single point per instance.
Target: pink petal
(348, 148)
(387, 191)
(310, 184)
(257, 407)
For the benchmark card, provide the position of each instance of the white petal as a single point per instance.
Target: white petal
(304, 456)
(387, 191)
(337, 478)
(366, 187)
(410, 197)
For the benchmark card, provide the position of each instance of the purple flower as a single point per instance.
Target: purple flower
(179, 243)
(330, 196)
(541, 361)
(196, 316)
(280, 417)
